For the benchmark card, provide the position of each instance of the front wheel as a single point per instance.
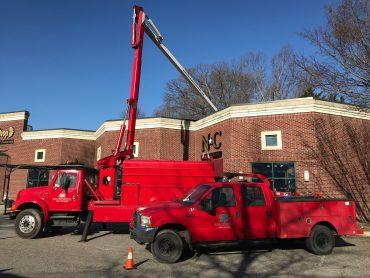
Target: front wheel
(167, 247)
(28, 223)
(321, 240)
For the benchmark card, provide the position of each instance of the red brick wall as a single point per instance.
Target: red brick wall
(154, 143)
(342, 159)
(81, 150)
(246, 142)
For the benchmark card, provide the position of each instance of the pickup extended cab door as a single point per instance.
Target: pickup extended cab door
(222, 224)
(257, 213)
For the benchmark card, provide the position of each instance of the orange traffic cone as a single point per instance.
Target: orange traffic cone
(130, 260)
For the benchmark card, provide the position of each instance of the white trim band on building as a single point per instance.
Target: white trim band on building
(13, 116)
(58, 133)
(289, 106)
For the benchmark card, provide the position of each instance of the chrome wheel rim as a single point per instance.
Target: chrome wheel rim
(27, 224)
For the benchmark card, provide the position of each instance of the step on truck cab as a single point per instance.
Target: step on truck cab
(229, 212)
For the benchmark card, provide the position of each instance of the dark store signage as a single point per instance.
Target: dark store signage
(6, 136)
(211, 140)
(216, 155)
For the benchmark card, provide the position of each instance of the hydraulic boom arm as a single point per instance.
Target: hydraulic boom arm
(141, 23)
(152, 31)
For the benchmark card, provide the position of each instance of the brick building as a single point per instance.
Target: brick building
(300, 144)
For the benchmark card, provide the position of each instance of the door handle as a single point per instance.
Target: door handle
(237, 214)
(268, 213)
(74, 197)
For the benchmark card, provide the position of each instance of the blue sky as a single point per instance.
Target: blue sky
(69, 62)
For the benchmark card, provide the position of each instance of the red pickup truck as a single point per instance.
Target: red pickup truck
(237, 211)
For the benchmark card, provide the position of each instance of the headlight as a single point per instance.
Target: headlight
(145, 221)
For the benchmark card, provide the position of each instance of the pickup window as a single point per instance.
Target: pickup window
(253, 196)
(223, 197)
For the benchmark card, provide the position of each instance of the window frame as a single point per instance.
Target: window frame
(43, 151)
(136, 149)
(278, 135)
(98, 153)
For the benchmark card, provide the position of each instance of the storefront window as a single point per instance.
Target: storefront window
(37, 177)
(280, 174)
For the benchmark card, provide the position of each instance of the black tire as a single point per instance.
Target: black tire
(321, 240)
(28, 223)
(167, 247)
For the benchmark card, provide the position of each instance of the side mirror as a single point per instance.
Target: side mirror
(206, 205)
(65, 181)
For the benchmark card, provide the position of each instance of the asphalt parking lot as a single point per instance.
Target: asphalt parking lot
(62, 255)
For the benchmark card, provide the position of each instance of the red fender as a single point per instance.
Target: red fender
(38, 202)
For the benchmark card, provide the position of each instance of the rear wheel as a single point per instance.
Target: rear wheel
(28, 223)
(321, 240)
(167, 247)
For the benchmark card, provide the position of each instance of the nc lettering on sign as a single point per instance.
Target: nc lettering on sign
(211, 140)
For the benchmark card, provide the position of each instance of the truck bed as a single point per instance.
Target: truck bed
(297, 215)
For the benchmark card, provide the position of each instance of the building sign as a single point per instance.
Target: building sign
(210, 143)
(6, 136)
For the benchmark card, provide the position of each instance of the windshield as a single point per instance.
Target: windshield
(195, 194)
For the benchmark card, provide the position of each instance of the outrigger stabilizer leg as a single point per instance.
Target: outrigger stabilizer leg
(87, 226)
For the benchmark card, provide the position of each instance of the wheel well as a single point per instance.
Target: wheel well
(328, 225)
(30, 206)
(181, 229)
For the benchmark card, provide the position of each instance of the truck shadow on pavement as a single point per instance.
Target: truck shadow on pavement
(94, 231)
(3, 273)
(257, 247)
(252, 259)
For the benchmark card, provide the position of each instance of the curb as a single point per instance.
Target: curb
(366, 234)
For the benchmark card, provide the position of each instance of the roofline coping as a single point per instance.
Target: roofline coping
(289, 106)
(14, 116)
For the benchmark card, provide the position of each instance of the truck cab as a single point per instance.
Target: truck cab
(61, 203)
(229, 212)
